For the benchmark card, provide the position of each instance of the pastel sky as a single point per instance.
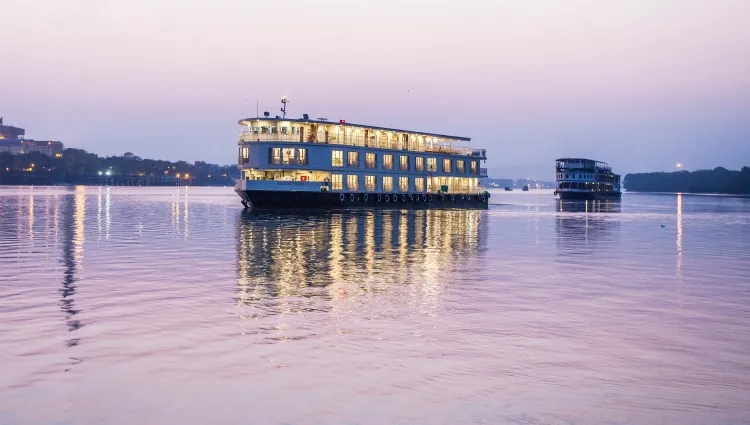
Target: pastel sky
(641, 84)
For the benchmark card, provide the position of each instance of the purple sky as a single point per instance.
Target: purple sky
(641, 84)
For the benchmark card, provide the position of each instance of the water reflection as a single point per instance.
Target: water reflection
(180, 212)
(585, 226)
(678, 243)
(341, 255)
(391, 306)
(679, 236)
(73, 227)
(103, 205)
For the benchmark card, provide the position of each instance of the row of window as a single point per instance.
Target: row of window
(573, 176)
(386, 182)
(404, 164)
(287, 156)
(596, 187)
(599, 177)
(275, 130)
(298, 156)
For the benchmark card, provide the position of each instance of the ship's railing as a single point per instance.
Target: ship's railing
(482, 153)
(441, 147)
(582, 165)
(316, 186)
(287, 185)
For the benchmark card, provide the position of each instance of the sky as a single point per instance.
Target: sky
(641, 84)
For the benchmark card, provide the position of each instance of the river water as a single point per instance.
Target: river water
(173, 305)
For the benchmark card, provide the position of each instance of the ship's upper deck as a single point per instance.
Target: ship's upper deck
(581, 164)
(343, 133)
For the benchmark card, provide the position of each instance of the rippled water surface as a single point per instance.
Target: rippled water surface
(173, 305)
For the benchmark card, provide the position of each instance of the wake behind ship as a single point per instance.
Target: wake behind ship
(304, 163)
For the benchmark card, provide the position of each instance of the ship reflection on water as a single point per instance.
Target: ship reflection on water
(585, 227)
(349, 253)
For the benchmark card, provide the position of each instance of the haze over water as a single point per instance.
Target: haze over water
(641, 84)
(173, 305)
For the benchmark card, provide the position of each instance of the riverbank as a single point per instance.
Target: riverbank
(716, 181)
(78, 167)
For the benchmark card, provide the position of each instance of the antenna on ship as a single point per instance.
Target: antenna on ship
(283, 108)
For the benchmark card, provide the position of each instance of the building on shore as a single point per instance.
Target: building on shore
(13, 140)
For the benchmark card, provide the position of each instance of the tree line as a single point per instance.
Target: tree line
(718, 180)
(76, 165)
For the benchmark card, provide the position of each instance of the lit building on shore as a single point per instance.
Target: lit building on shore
(12, 139)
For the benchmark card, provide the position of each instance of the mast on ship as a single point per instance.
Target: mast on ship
(284, 101)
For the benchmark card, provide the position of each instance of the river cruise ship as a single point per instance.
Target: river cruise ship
(314, 163)
(581, 178)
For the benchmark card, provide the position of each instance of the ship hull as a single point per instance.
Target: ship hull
(590, 196)
(268, 199)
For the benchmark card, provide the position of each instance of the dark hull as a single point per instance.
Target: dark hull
(591, 196)
(262, 199)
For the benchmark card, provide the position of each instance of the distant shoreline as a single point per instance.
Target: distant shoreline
(718, 181)
(729, 195)
(77, 167)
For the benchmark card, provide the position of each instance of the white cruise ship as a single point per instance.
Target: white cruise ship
(313, 163)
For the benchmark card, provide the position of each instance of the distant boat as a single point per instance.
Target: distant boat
(508, 189)
(581, 178)
(525, 188)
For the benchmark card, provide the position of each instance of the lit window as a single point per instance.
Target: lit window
(371, 160)
(353, 159)
(387, 184)
(460, 166)
(473, 167)
(284, 130)
(287, 155)
(370, 183)
(447, 165)
(404, 163)
(388, 162)
(274, 155)
(419, 163)
(419, 184)
(337, 182)
(302, 156)
(245, 153)
(431, 164)
(403, 184)
(352, 182)
(337, 158)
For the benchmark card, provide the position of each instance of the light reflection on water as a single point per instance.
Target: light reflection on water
(172, 305)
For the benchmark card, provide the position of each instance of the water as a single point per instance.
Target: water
(172, 305)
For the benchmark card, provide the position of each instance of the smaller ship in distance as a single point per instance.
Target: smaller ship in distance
(581, 178)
